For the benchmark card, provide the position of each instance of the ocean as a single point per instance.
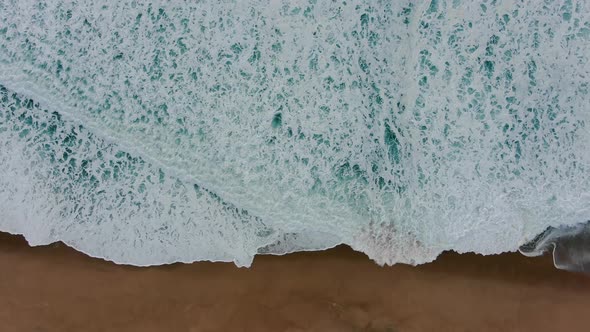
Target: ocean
(151, 132)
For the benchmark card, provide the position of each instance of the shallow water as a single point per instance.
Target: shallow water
(570, 246)
(147, 133)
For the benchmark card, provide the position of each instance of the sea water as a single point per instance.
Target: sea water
(150, 132)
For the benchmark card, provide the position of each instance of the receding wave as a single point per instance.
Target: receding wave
(570, 246)
(148, 132)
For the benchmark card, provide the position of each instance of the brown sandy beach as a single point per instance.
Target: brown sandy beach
(55, 288)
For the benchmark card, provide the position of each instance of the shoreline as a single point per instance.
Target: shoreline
(55, 288)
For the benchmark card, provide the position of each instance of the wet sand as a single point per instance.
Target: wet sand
(54, 288)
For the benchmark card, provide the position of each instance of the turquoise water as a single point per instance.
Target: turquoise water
(154, 132)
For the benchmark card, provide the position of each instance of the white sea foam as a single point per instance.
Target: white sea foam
(154, 132)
